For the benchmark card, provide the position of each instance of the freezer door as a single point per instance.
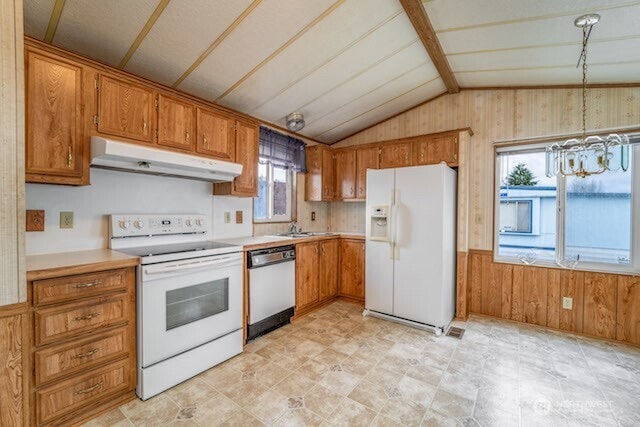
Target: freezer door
(422, 252)
(379, 262)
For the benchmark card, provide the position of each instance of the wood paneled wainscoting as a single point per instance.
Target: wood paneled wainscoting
(604, 305)
(13, 364)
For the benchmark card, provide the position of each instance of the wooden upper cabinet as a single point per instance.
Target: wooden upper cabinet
(54, 125)
(366, 158)
(352, 268)
(246, 153)
(328, 275)
(307, 274)
(436, 149)
(215, 135)
(396, 154)
(345, 167)
(126, 110)
(320, 181)
(176, 123)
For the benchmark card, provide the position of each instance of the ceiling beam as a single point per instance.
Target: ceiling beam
(420, 21)
(143, 32)
(54, 20)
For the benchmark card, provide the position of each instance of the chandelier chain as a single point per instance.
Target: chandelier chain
(585, 36)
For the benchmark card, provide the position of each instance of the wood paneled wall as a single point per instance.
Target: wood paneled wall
(12, 271)
(13, 365)
(604, 305)
(504, 114)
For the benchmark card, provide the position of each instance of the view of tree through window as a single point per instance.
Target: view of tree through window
(594, 213)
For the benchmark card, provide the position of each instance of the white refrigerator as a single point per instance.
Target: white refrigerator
(411, 244)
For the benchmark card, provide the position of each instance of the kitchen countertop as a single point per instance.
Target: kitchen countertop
(66, 263)
(261, 242)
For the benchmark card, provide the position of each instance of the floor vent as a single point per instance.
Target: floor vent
(455, 332)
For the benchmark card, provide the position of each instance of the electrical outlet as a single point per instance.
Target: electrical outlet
(567, 303)
(313, 216)
(66, 219)
(239, 219)
(227, 217)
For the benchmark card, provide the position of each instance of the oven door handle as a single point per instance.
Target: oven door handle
(226, 261)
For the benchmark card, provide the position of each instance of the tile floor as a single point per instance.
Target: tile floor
(335, 367)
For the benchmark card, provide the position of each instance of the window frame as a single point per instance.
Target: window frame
(518, 201)
(291, 196)
(561, 186)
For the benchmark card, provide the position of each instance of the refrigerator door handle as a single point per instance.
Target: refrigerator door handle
(396, 225)
(391, 224)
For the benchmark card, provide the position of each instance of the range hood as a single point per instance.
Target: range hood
(116, 155)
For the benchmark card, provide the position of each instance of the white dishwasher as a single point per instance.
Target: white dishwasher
(272, 289)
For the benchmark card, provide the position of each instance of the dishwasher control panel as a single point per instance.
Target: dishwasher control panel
(264, 257)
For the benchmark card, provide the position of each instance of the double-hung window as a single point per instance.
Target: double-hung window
(281, 156)
(574, 222)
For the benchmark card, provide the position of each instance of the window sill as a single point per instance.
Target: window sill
(587, 267)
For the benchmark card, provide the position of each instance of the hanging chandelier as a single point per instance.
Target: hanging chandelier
(587, 155)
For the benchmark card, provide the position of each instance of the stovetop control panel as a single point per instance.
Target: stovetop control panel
(153, 225)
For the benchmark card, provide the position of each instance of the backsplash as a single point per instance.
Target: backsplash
(348, 216)
(109, 192)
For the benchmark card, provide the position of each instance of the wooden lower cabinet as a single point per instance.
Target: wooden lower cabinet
(352, 269)
(84, 350)
(307, 279)
(329, 256)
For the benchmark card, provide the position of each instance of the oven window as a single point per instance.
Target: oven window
(196, 302)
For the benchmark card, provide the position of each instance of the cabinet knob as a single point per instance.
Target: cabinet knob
(144, 126)
(351, 191)
(187, 136)
(204, 138)
(70, 157)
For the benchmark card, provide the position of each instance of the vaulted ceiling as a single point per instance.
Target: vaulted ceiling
(345, 64)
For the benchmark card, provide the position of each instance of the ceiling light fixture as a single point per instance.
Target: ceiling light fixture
(587, 155)
(295, 122)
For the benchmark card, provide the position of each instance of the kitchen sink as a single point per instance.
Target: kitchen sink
(306, 234)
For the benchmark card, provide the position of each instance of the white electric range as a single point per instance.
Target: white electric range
(189, 296)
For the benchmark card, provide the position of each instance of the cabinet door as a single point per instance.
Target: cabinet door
(366, 158)
(216, 135)
(395, 155)
(352, 269)
(313, 177)
(247, 154)
(328, 176)
(328, 277)
(438, 149)
(346, 174)
(175, 123)
(307, 265)
(125, 110)
(54, 145)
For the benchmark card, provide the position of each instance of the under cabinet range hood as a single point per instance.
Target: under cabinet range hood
(122, 156)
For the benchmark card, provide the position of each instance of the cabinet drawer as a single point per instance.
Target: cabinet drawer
(70, 395)
(52, 324)
(80, 355)
(71, 288)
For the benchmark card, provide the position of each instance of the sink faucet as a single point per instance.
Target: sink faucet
(293, 227)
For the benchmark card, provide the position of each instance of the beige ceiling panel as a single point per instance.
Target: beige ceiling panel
(599, 52)
(376, 114)
(371, 51)
(385, 92)
(103, 30)
(265, 30)
(381, 74)
(614, 23)
(611, 73)
(36, 17)
(338, 33)
(185, 29)
(446, 14)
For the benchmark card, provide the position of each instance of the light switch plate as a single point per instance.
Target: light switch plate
(239, 219)
(227, 217)
(66, 219)
(567, 303)
(35, 220)
(313, 216)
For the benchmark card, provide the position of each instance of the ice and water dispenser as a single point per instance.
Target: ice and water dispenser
(379, 227)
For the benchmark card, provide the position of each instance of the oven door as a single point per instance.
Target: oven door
(183, 304)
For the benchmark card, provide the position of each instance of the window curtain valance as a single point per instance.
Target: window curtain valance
(283, 150)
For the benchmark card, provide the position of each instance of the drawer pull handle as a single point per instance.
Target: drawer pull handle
(90, 389)
(86, 354)
(88, 285)
(87, 317)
